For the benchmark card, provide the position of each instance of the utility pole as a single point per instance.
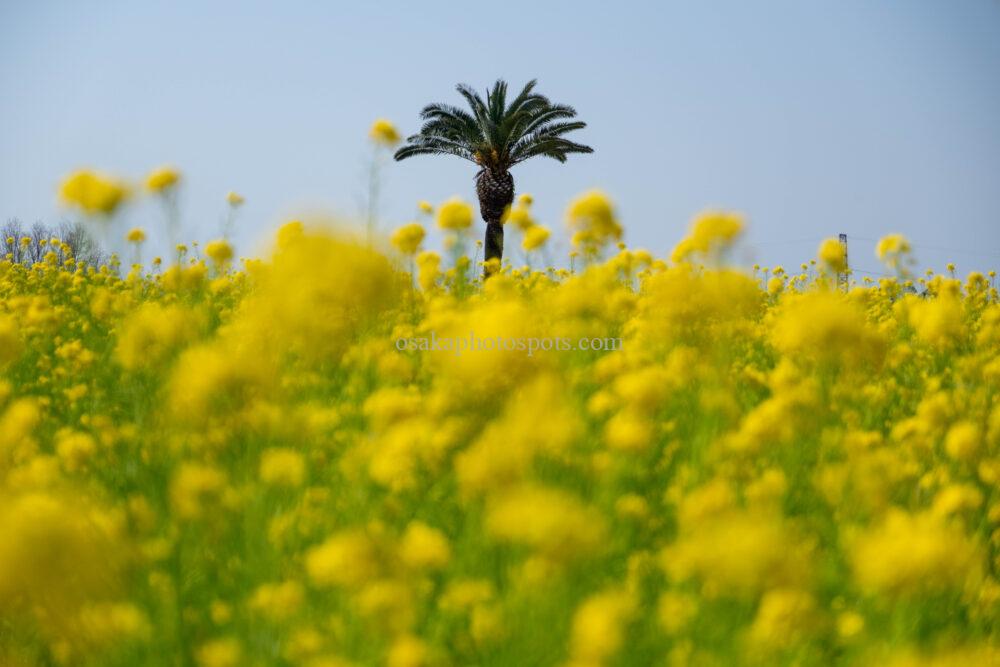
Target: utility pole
(842, 276)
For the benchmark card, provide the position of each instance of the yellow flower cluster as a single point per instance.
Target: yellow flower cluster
(833, 255)
(519, 216)
(95, 193)
(92, 192)
(162, 179)
(223, 463)
(383, 132)
(594, 222)
(219, 251)
(711, 233)
(407, 239)
(454, 215)
(136, 235)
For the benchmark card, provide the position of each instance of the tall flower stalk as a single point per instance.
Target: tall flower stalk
(384, 136)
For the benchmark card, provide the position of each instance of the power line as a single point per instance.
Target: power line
(789, 241)
(872, 273)
(932, 247)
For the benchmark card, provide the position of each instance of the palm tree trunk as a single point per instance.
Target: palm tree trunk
(496, 193)
(493, 244)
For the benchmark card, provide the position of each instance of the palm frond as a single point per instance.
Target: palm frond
(556, 148)
(497, 101)
(479, 109)
(420, 145)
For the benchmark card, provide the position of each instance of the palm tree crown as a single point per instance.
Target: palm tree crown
(496, 136)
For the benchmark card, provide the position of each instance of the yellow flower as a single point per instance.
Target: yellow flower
(535, 237)
(278, 601)
(553, 522)
(850, 624)
(825, 327)
(195, 489)
(384, 132)
(162, 179)
(775, 285)
(110, 623)
(408, 651)
(306, 305)
(407, 239)
(219, 251)
(226, 652)
(454, 215)
(425, 207)
(234, 199)
(711, 233)
(737, 552)
(785, 616)
(629, 430)
(598, 627)
(92, 193)
(890, 245)
(938, 321)
(75, 449)
(519, 215)
(424, 547)
(153, 333)
(893, 250)
(675, 610)
(290, 234)
(593, 219)
(964, 441)
(10, 340)
(832, 255)
(136, 235)
(59, 553)
(282, 466)
(466, 594)
(345, 559)
(912, 553)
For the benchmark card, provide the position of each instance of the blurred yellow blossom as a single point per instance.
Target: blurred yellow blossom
(384, 132)
(454, 215)
(136, 235)
(407, 239)
(92, 192)
(535, 237)
(832, 255)
(162, 179)
(282, 466)
(711, 232)
(593, 220)
(219, 251)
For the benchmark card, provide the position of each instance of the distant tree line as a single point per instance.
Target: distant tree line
(82, 244)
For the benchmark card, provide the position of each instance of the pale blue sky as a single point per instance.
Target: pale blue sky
(812, 118)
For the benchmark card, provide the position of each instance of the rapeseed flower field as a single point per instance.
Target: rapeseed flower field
(217, 461)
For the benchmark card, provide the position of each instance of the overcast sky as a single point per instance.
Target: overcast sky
(812, 118)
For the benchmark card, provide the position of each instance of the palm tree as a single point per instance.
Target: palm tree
(496, 136)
